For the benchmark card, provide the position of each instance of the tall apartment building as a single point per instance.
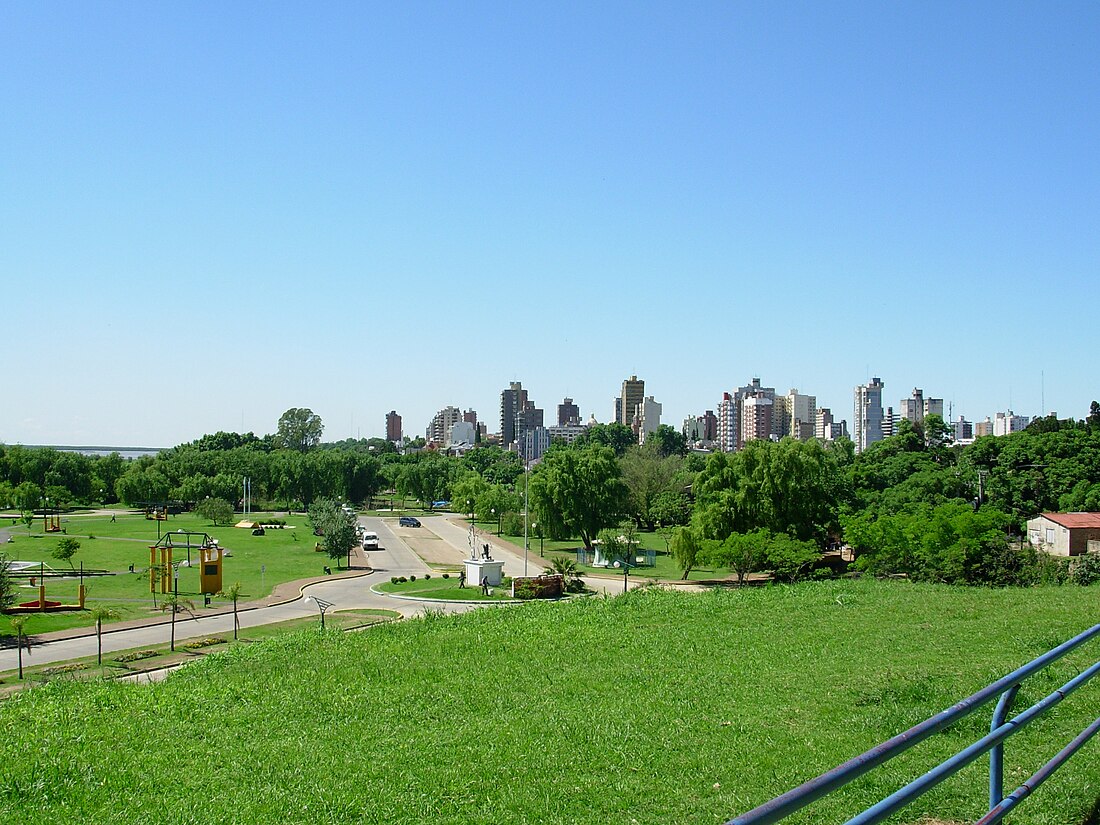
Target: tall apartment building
(517, 415)
(567, 433)
(801, 412)
(983, 427)
(1005, 423)
(692, 429)
(916, 406)
(632, 394)
(756, 417)
(728, 419)
(568, 413)
(710, 426)
(647, 417)
(867, 414)
(963, 431)
(393, 427)
(827, 428)
(470, 417)
(535, 442)
(889, 423)
(438, 430)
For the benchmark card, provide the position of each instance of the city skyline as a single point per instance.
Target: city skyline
(214, 216)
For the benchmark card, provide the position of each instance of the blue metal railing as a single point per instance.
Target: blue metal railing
(1001, 728)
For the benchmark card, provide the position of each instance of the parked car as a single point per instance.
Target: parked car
(370, 541)
(408, 521)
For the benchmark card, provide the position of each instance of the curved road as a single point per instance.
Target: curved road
(393, 558)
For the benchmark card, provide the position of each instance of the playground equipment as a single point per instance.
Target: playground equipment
(161, 564)
(51, 520)
(36, 576)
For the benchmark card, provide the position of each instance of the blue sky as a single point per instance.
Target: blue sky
(213, 212)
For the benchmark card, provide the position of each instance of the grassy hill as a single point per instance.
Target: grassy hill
(654, 707)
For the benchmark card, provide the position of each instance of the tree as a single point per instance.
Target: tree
(174, 604)
(616, 436)
(685, 548)
(7, 585)
(567, 569)
(578, 492)
(790, 559)
(667, 440)
(647, 476)
(18, 624)
(336, 526)
(99, 615)
(233, 593)
(743, 553)
(217, 510)
(299, 429)
(66, 549)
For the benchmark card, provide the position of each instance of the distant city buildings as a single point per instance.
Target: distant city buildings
(801, 412)
(632, 394)
(568, 413)
(517, 415)
(1009, 422)
(963, 431)
(438, 431)
(393, 427)
(647, 418)
(867, 414)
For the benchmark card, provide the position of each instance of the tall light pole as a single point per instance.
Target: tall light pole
(526, 485)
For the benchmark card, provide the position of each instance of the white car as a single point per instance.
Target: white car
(370, 541)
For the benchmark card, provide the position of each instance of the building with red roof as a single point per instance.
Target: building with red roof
(1065, 534)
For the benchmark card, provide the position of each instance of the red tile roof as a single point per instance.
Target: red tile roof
(1074, 520)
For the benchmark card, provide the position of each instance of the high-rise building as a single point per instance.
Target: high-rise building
(647, 417)
(912, 408)
(867, 414)
(889, 423)
(517, 415)
(983, 428)
(727, 423)
(633, 393)
(393, 426)
(692, 429)
(963, 431)
(568, 413)
(438, 430)
(801, 412)
(933, 406)
(756, 417)
(710, 426)
(1006, 423)
(512, 402)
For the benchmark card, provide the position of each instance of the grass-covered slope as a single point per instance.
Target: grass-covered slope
(656, 707)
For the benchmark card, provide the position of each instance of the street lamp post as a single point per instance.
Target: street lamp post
(175, 600)
(625, 565)
(322, 606)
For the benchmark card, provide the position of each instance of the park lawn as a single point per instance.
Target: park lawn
(653, 707)
(447, 589)
(153, 657)
(665, 567)
(259, 563)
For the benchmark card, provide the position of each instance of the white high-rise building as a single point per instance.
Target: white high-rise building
(647, 417)
(867, 414)
(727, 423)
(1005, 423)
(801, 411)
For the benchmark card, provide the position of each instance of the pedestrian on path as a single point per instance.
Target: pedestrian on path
(462, 578)
(485, 585)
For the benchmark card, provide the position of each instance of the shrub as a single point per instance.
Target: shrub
(446, 575)
(512, 524)
(412, 578)
(401, 580)
(427, 576)
(136, 655)
(1087, 570)
(393, 579)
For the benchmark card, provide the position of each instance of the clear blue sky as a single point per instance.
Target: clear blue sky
(212, 212)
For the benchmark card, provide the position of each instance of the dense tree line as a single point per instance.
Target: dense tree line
(912, 504)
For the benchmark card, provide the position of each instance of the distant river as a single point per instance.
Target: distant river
(126, 452)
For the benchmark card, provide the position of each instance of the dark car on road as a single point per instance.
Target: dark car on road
(408, 521)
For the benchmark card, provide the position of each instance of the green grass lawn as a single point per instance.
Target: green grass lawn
(123, 662)
(665, 567)
(257, 562)
(447, 589)
(653, 707)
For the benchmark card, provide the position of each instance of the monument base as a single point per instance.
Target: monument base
(478, 569)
